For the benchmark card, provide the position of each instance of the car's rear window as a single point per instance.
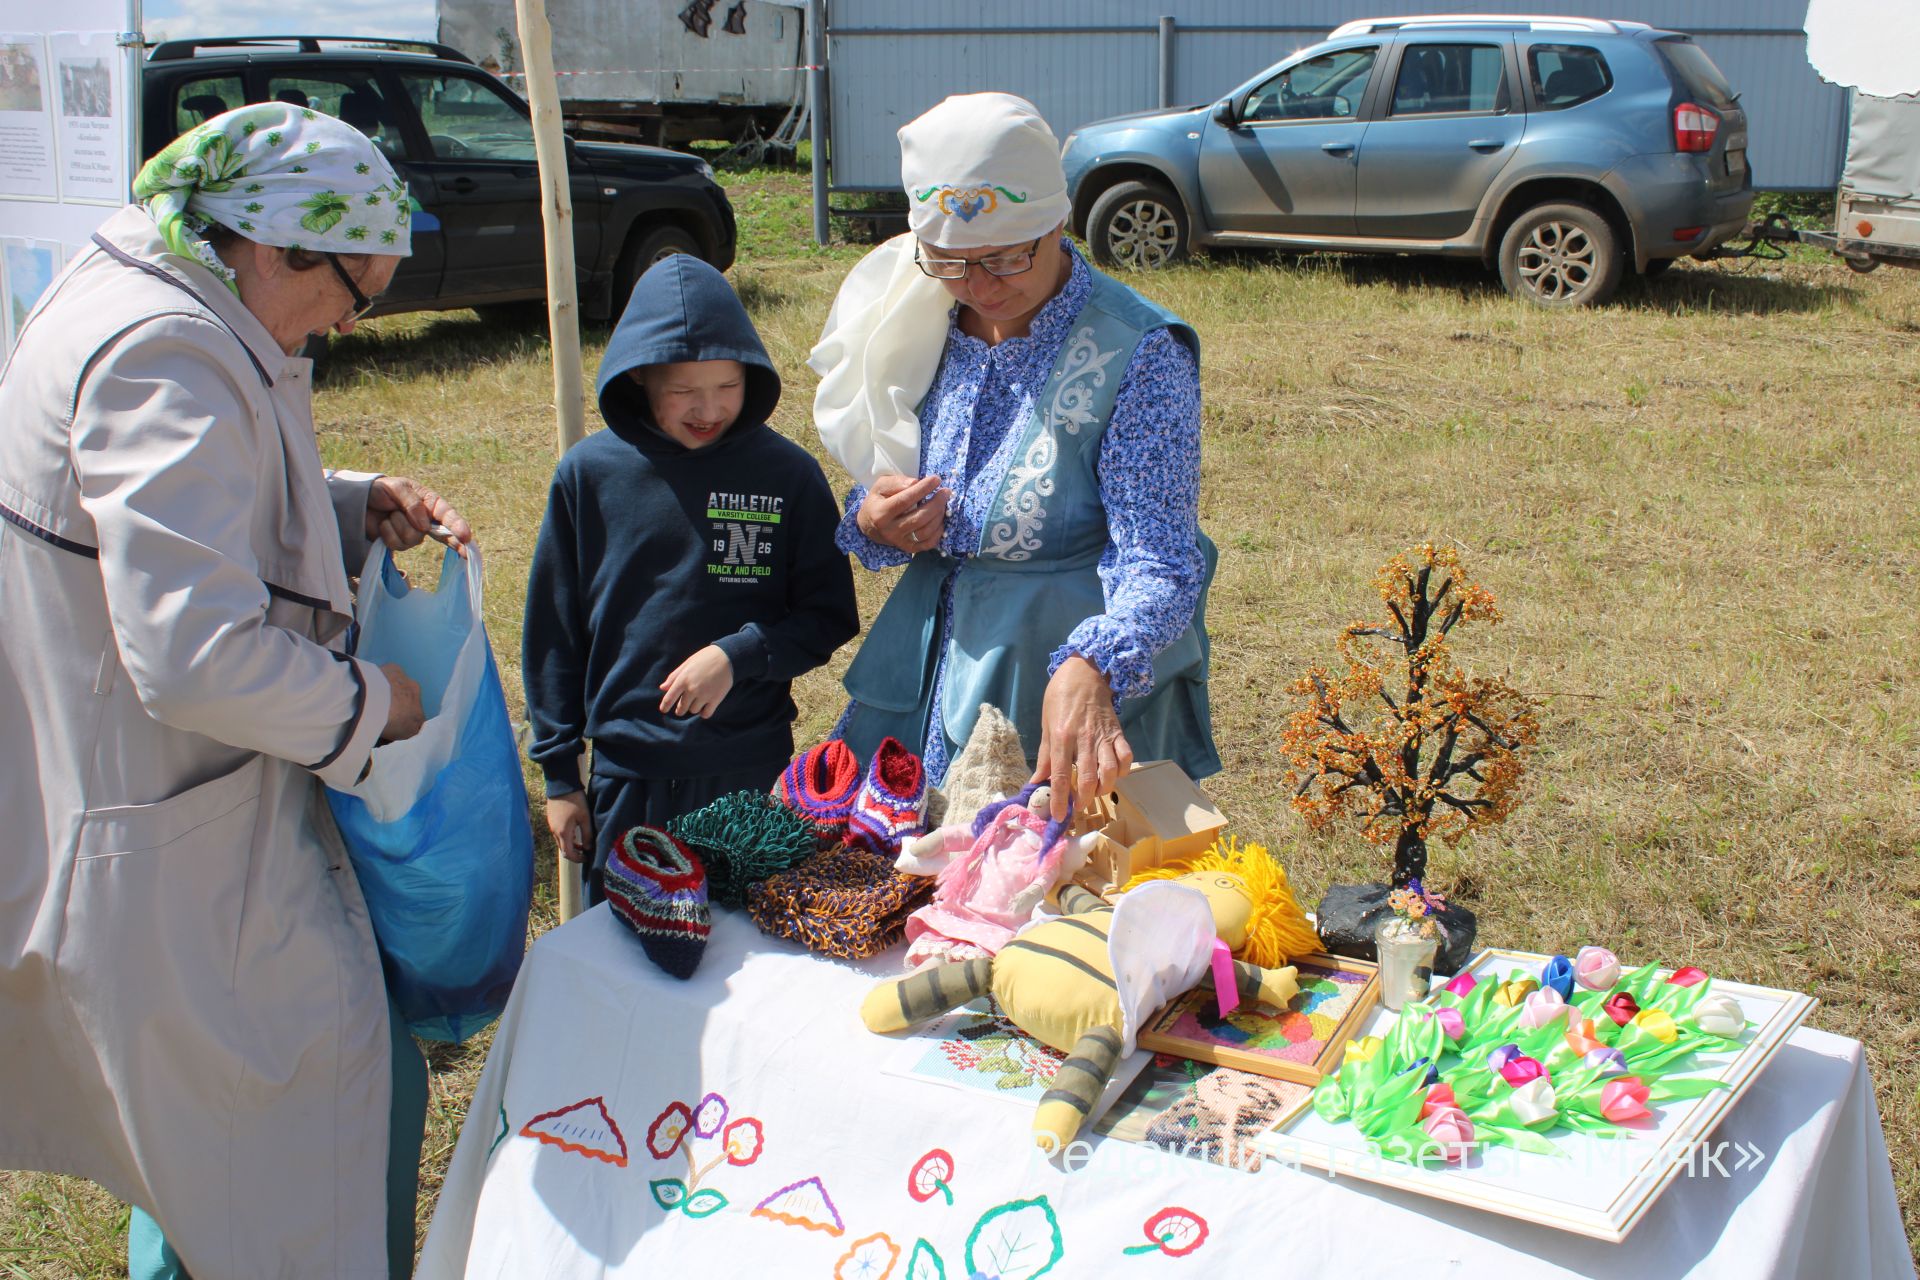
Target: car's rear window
(1566, 75)
(1698, 76)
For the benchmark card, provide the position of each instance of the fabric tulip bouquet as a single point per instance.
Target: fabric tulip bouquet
(1581, 1047)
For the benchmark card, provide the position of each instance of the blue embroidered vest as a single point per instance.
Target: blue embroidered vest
(1034, 576)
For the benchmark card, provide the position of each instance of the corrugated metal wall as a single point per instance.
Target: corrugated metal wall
(1081, 60)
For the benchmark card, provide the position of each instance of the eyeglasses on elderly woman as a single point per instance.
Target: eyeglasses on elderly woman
(1004, 264)
(361, 302)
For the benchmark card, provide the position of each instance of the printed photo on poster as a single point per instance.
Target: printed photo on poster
(91, 115)
(27, 268)
(26, 120)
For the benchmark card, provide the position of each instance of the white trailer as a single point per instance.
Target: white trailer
(656, 71)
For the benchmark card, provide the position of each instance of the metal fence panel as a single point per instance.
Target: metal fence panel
(1083, 60)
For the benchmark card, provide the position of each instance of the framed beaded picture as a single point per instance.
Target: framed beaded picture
(1301, 1042)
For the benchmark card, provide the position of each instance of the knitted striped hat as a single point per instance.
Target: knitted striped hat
(845, 902)
(892, 804)
(660, 890)
(820, 785)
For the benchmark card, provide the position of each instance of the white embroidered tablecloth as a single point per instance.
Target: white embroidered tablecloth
(744, 1124)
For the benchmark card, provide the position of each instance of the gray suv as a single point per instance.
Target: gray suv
(1556, 150)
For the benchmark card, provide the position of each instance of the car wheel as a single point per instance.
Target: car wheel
(1138, 225)
(644, 248)
(1560, 255)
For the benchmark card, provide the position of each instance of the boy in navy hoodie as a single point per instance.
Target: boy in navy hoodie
(685, 574)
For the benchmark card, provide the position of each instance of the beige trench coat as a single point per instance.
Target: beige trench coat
(191, 1006)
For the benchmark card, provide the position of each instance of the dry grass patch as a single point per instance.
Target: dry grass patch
(1697, 507)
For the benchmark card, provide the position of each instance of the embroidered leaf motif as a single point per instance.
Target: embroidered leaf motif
(669, 1193)
(1018, 1240)
(704, 1203)
(363, 167)
(275, 137)
(924, 1263)
(312, 147)
(389, 237)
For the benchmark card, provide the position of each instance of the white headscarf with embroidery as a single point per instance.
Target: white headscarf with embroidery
(279, 175)
(980, 170)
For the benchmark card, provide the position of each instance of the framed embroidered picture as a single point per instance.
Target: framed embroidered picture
(1301, 1042)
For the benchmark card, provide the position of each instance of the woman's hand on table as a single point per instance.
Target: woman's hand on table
(572, 825)
(401, 512)
(1082, 749)
(906, 513)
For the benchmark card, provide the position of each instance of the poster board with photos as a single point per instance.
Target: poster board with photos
(1596, 1186)
(69, 136)
(1301, 1042)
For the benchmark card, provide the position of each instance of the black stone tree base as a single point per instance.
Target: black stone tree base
(1348, 914)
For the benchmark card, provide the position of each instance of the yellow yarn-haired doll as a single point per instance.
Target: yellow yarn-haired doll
(1086, 981)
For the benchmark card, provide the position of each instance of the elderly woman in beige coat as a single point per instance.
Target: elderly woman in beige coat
(191, 1006)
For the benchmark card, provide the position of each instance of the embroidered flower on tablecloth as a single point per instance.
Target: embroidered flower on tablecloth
(668, 1130)
(1174, 1231)
(930, 1176)
(743, 1140)
(709, 1115)
(870, 1259)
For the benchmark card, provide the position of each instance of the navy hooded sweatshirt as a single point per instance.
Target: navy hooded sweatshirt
(651, 551)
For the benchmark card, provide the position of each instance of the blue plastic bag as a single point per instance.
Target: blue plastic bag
(438, 829)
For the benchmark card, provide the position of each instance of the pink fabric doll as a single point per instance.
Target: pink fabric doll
(996, 871)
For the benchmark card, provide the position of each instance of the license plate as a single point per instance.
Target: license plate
(1736, 161)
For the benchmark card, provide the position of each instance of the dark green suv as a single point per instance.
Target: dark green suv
(463, 142)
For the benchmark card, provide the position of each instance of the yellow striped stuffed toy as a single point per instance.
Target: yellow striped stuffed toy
(1086, 981)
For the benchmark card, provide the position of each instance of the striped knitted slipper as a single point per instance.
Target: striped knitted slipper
(892, 804)
(820, 785)
(660, 890)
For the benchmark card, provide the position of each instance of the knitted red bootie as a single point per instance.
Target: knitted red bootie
(892, 804)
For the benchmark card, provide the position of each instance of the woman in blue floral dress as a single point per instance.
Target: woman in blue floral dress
(1026, 433)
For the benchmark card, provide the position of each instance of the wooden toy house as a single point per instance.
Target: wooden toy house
(1154, 814)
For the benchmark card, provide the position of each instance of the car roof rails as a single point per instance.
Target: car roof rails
(169, 50)
(1529, 21)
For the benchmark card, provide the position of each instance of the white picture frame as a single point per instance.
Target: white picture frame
(1603, 1186)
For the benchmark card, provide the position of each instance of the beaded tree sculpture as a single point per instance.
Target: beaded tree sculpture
(1437, 754)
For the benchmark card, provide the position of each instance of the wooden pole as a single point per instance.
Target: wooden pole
(563, 292)
(816, 19)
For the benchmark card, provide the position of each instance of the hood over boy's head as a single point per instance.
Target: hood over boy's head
(683, 313)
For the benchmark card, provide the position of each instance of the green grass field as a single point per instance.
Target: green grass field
(1698, 507)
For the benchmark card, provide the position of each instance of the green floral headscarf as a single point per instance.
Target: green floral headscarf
(279, 175)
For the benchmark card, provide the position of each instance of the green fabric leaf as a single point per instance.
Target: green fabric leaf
(668, 1193)
(324, 209)
(1686, 1087)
